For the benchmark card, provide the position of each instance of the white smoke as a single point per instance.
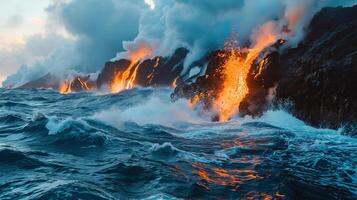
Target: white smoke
(205, 25)
(99, 27)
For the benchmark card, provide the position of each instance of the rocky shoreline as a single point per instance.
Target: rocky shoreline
(317, 79)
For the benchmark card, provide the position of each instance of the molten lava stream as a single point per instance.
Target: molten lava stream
(235, 70)
(69, 87)
(126, 80)
(65, 88)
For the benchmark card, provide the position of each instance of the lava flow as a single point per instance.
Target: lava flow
(235, 71)
(65, 87)
(76, 84)
(126, 79)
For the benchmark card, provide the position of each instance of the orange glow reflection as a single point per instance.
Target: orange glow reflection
(224, 177)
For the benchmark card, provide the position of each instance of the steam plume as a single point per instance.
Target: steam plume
(204, 25)
(99, 27)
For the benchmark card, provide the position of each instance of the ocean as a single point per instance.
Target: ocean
(137, 144)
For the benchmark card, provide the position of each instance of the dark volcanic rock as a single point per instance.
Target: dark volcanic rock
(47, 81)
(77, 84)
(319, 77)
(110, 70)
(81, 83)
(262, 81)
(159, 71)
(321, 74)
(207, 84)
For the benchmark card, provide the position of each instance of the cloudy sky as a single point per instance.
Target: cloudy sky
(19, 19)
(31, 30)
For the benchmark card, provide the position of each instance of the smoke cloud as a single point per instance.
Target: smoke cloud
(205, 25)
(100, 29)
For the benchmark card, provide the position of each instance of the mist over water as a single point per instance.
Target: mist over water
(137, 144)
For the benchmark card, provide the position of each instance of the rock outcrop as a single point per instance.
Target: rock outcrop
(158, 71)
(78, 84)
(319, 77)
(46, 82)
(49, 81)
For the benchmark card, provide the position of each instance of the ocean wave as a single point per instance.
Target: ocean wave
(37, 125)
(130, 179)
(70, 190)
(45, 130)
(165, 151)
(11, 118)
(158, 109)
(14, 158)
(160, 197)
(74, 132)
(13, 104)
(95, 146)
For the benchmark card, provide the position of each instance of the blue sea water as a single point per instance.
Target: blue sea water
(139, 145)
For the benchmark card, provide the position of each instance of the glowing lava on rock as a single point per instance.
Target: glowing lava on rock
(235, 71)
(151, 75)
(65, 87)
(76, 84)
(126, 79)
(174, 83)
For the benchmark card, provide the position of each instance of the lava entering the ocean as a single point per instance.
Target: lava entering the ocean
(126, 79)
(235, 70)
(65, 87)
(76, 84)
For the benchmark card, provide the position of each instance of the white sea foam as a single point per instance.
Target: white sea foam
(55, 126)
(157, 109)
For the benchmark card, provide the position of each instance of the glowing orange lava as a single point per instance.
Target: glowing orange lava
(126, 80)
(151, 75)
(174, 84)
(235, 70)
(65, 87)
